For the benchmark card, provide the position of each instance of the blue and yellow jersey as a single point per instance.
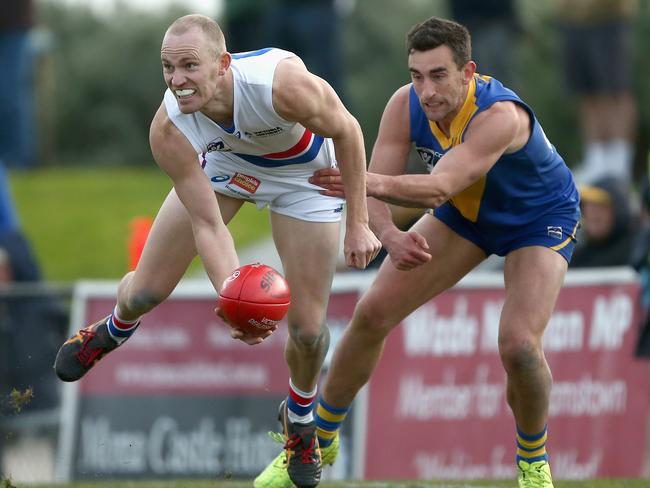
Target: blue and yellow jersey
(521, 186)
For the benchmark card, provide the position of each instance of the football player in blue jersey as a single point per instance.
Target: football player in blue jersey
(496, 186)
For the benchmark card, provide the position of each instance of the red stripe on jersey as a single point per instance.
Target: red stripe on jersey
(301, 145)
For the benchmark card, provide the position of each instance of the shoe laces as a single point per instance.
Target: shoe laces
(296, 444)
(87, 355)
(533, 476)
(306, 454)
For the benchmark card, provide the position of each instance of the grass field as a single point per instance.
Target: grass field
(77, 219)
(618, 483)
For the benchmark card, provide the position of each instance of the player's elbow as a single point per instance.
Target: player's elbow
(436, 201)
(442, 192)
(348, 131)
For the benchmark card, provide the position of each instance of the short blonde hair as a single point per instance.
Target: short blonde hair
(207, 25)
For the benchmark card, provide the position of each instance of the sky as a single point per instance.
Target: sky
(206, 7)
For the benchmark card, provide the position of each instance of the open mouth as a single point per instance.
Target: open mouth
(186, 93)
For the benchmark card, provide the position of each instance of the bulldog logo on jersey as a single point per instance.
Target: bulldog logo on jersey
(218, 144)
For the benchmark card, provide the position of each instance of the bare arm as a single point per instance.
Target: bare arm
(176, 156)
(491, 134)
(389, 157)
(302, 97)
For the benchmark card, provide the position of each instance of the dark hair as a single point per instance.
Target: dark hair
(435, 32)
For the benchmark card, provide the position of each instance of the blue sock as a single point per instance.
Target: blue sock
(531, 448)
(328, 422)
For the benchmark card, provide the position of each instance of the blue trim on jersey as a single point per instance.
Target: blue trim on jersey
(229, 130)
(251, 53)
(520, 189)
(418, 119)
(307, 157)
(502, 239)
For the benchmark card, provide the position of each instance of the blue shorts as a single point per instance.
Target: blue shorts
(553, 230)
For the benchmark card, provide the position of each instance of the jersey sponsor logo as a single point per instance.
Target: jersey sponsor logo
(267, 132)
(245, 182)
(219, 178)
(339, 209)
(218, 144)
(554, 231)
(429, 156)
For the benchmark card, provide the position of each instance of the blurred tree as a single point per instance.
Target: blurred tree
(108, 82)
(375, 54)
(104, 80)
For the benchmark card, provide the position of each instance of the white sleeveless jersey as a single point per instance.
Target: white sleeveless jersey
(259, 138)
(262, 158)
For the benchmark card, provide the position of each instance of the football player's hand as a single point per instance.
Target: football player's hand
(330, 180)
(242, 335)
(407, 250)
(360, 246)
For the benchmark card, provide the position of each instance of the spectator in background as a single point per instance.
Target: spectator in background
(495, 29)
(309, 28)
(609, 225)
(17, 126)
(31, 325)
(246, 24)
(598, 67)
(641, 263)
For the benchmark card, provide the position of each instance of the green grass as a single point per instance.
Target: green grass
(77, 219)
(618, 483)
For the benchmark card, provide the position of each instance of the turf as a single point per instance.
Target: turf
(77, 219)
(617, 483)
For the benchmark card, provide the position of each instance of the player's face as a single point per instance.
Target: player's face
(439, 84)
(191, 69)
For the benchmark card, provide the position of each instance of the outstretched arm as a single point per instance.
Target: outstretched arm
(389, 157)
(491, 134)
(176, 156)
(302, 97)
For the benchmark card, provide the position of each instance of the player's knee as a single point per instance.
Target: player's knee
(369, 320)
(306, 336)
(520, 354)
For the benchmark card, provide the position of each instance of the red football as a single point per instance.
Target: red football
(254, 298)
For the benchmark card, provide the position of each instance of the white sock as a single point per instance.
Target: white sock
(300, 405)
(121, 333)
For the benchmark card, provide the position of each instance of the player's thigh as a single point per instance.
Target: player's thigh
(170, 247)
(309, 253)
(533, 277)
(394, 294)
(228, 206)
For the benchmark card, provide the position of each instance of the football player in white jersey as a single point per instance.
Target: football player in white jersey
(236, 128)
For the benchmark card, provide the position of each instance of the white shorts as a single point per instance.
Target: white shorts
(286, 190)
